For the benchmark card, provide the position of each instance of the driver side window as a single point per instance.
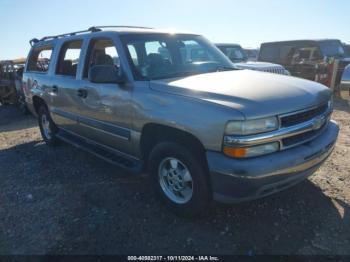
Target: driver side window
(101, 52)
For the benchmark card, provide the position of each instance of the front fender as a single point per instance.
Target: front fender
(203, 119)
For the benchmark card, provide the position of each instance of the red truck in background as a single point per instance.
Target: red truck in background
(322, 61)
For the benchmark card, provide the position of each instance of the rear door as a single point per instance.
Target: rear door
(65, 106)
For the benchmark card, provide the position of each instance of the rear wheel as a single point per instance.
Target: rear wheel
(47, 127)
(179, 179)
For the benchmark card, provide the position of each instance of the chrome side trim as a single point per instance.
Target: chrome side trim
(313, 124)
(101, 126)
(104, 131)
(108, 148)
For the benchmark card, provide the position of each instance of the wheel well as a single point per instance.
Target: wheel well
(155, 133)
(37, 102)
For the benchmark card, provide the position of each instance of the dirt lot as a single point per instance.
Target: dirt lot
(65, 201)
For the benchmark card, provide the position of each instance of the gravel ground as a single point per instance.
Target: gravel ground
(65, 201)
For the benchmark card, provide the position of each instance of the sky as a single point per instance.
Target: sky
(247, 22)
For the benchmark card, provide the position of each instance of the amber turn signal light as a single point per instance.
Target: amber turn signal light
(235, 151)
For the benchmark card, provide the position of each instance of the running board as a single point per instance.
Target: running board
(108, 154)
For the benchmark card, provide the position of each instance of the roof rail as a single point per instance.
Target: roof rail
(92, 29)
(120, 26)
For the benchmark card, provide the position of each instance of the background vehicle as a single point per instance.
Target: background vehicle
(318, 60)
(252, 53)
(175, 106)
(241, 60)
(11, 73)
(8, 92)
(345, 84)
(346, 50)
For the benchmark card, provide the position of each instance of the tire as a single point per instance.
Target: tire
(168, 177)
(24, 109)
(48, 129)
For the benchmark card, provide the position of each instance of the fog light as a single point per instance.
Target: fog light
(242, 152)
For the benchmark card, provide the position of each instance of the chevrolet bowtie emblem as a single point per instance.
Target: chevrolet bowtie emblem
(318, 122)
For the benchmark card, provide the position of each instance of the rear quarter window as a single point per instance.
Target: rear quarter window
(269, 53)
(286, 51)
(69, 57)
(39, 60)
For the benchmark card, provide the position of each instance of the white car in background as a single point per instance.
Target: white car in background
(238, 56)
(252, 53)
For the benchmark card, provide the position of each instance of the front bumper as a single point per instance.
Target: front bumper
(237, 180)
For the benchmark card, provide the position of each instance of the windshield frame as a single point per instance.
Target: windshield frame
(128, 38)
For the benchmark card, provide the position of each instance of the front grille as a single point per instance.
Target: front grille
(275, 70)
(301, 117)
(301, 138)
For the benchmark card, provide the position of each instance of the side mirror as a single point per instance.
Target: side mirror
(107, 74)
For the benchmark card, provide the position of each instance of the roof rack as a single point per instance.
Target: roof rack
(120, 26)
(92, 29)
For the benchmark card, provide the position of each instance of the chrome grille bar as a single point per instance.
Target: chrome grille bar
(311, 128)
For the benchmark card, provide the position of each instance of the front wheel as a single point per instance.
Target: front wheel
(48, 129)
(179, 179)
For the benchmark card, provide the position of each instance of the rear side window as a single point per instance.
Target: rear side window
(68, 59)
(269, 53)
(286, 51)
(39, 59)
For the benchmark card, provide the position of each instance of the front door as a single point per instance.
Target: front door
(105, 109)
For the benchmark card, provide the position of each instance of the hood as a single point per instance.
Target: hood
(257, 65)
(254, 94)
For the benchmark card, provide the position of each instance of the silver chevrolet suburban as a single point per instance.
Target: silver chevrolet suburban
(201, 128)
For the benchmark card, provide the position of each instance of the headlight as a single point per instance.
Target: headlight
(243, 152)
(248, 127)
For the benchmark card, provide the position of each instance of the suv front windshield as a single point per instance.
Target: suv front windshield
(332, 48)
(234, 52)
(161, 56)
